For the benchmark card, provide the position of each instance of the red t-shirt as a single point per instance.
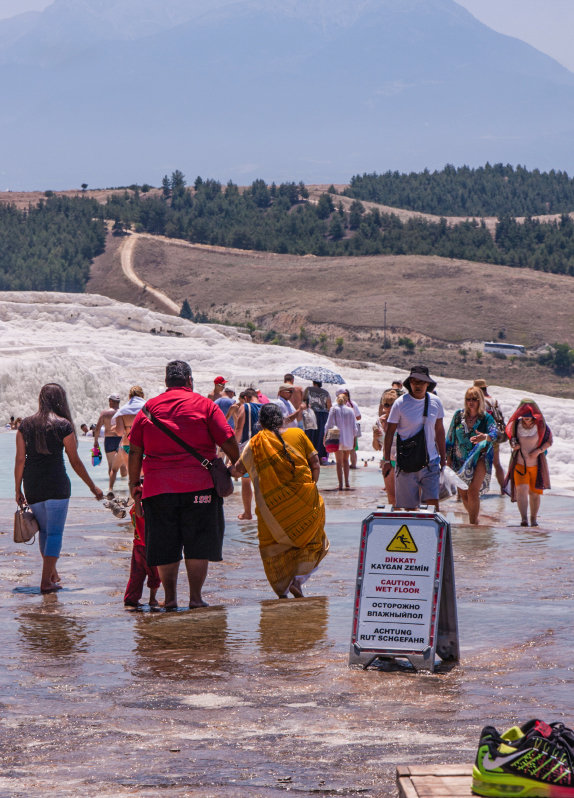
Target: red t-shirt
(198, 421)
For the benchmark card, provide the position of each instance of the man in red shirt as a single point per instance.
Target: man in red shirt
(181, 508)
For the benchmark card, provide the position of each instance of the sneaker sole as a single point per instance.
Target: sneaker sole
(498, 785)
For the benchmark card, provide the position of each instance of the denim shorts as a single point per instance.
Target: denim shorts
(418, 487)
(51, 518)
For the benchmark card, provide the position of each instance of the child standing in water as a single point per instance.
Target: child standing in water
(139, 568)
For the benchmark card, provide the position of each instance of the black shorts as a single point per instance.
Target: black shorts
(112, 443)
(192, 522)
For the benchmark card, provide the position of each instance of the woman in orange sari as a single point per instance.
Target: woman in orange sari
(284, 469)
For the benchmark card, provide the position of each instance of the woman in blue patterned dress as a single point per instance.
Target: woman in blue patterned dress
(469, 449)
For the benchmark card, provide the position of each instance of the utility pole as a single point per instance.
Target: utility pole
(385, 343)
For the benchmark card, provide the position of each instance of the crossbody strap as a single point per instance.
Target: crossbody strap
(164, 428)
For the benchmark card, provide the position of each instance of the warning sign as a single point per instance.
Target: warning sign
(405, 605)
(403, 541)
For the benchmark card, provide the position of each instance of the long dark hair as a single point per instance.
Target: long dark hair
(52, 405)
(271, 418)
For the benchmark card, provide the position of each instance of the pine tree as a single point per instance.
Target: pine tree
(186, 312)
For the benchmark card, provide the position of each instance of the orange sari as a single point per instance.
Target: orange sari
(290, 510)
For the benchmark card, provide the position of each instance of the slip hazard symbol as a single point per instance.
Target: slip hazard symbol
(402, 541)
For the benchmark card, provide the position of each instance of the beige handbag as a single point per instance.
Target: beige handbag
(25, 525)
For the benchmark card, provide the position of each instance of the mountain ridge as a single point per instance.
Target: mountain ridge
(280, 91)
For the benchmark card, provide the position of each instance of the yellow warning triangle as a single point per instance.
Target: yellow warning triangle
(402, 541)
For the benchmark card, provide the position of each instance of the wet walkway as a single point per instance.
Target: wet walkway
(252, 696)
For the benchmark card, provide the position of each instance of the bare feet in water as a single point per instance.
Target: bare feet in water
(295, 588)
(194, 605)
(51, 587)
(245, 517)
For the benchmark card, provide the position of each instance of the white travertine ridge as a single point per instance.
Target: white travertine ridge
(95, 346)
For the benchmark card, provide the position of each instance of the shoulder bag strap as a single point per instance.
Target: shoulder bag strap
(426, 410)
(164, 428)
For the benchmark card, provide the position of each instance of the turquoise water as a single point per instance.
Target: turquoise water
(79, 489)
(253, 696)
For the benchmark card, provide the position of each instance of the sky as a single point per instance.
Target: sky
(545, 24)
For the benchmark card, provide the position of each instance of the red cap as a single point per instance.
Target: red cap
(220, 381)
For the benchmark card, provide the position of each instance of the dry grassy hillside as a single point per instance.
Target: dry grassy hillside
(311, 302)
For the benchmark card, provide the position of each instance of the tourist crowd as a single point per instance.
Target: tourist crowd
(168, 446)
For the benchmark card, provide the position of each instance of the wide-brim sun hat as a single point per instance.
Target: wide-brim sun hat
(480, 383)
(420, 373)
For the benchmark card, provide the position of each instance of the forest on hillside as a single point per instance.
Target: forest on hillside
(490, 190)
(50, 247)
(282, 219)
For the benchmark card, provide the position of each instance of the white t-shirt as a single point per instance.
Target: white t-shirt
(287, 408)
(407, 414)
(343, 417)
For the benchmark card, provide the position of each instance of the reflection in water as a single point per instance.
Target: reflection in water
(256, 696)
(293, 626)
(50, 630)
(182, 645)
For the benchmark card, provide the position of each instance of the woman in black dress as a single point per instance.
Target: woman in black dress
(40, 443)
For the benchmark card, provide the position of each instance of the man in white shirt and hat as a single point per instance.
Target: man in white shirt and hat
(290, 414)
(417, 418)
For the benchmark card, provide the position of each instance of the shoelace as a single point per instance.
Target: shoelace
(565, 736)
(563, 739)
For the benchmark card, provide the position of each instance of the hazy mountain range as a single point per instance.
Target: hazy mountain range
(111, 92)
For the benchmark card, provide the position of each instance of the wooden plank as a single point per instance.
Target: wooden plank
(438, 770)
(406, 788)
(434, 781)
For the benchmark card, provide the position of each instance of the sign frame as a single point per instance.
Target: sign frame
(441, 637)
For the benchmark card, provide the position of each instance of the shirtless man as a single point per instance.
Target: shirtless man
(123, 420)
(218, 386)
(297, 395)
(111, 438)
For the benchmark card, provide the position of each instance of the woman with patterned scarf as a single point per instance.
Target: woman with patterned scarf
(530, 437)
(469, 449)
(284, 469)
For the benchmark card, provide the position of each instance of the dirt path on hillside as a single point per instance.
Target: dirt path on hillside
(126, 255)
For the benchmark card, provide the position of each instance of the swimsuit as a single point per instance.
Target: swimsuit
(112, 443)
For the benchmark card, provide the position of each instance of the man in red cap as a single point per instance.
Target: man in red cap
(218, 386)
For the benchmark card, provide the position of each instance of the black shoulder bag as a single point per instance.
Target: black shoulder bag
(219, 472)
(412, 454)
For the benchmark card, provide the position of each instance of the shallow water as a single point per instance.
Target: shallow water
(253, 696)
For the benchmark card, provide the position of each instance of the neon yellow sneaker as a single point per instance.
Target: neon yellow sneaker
(535, 760)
